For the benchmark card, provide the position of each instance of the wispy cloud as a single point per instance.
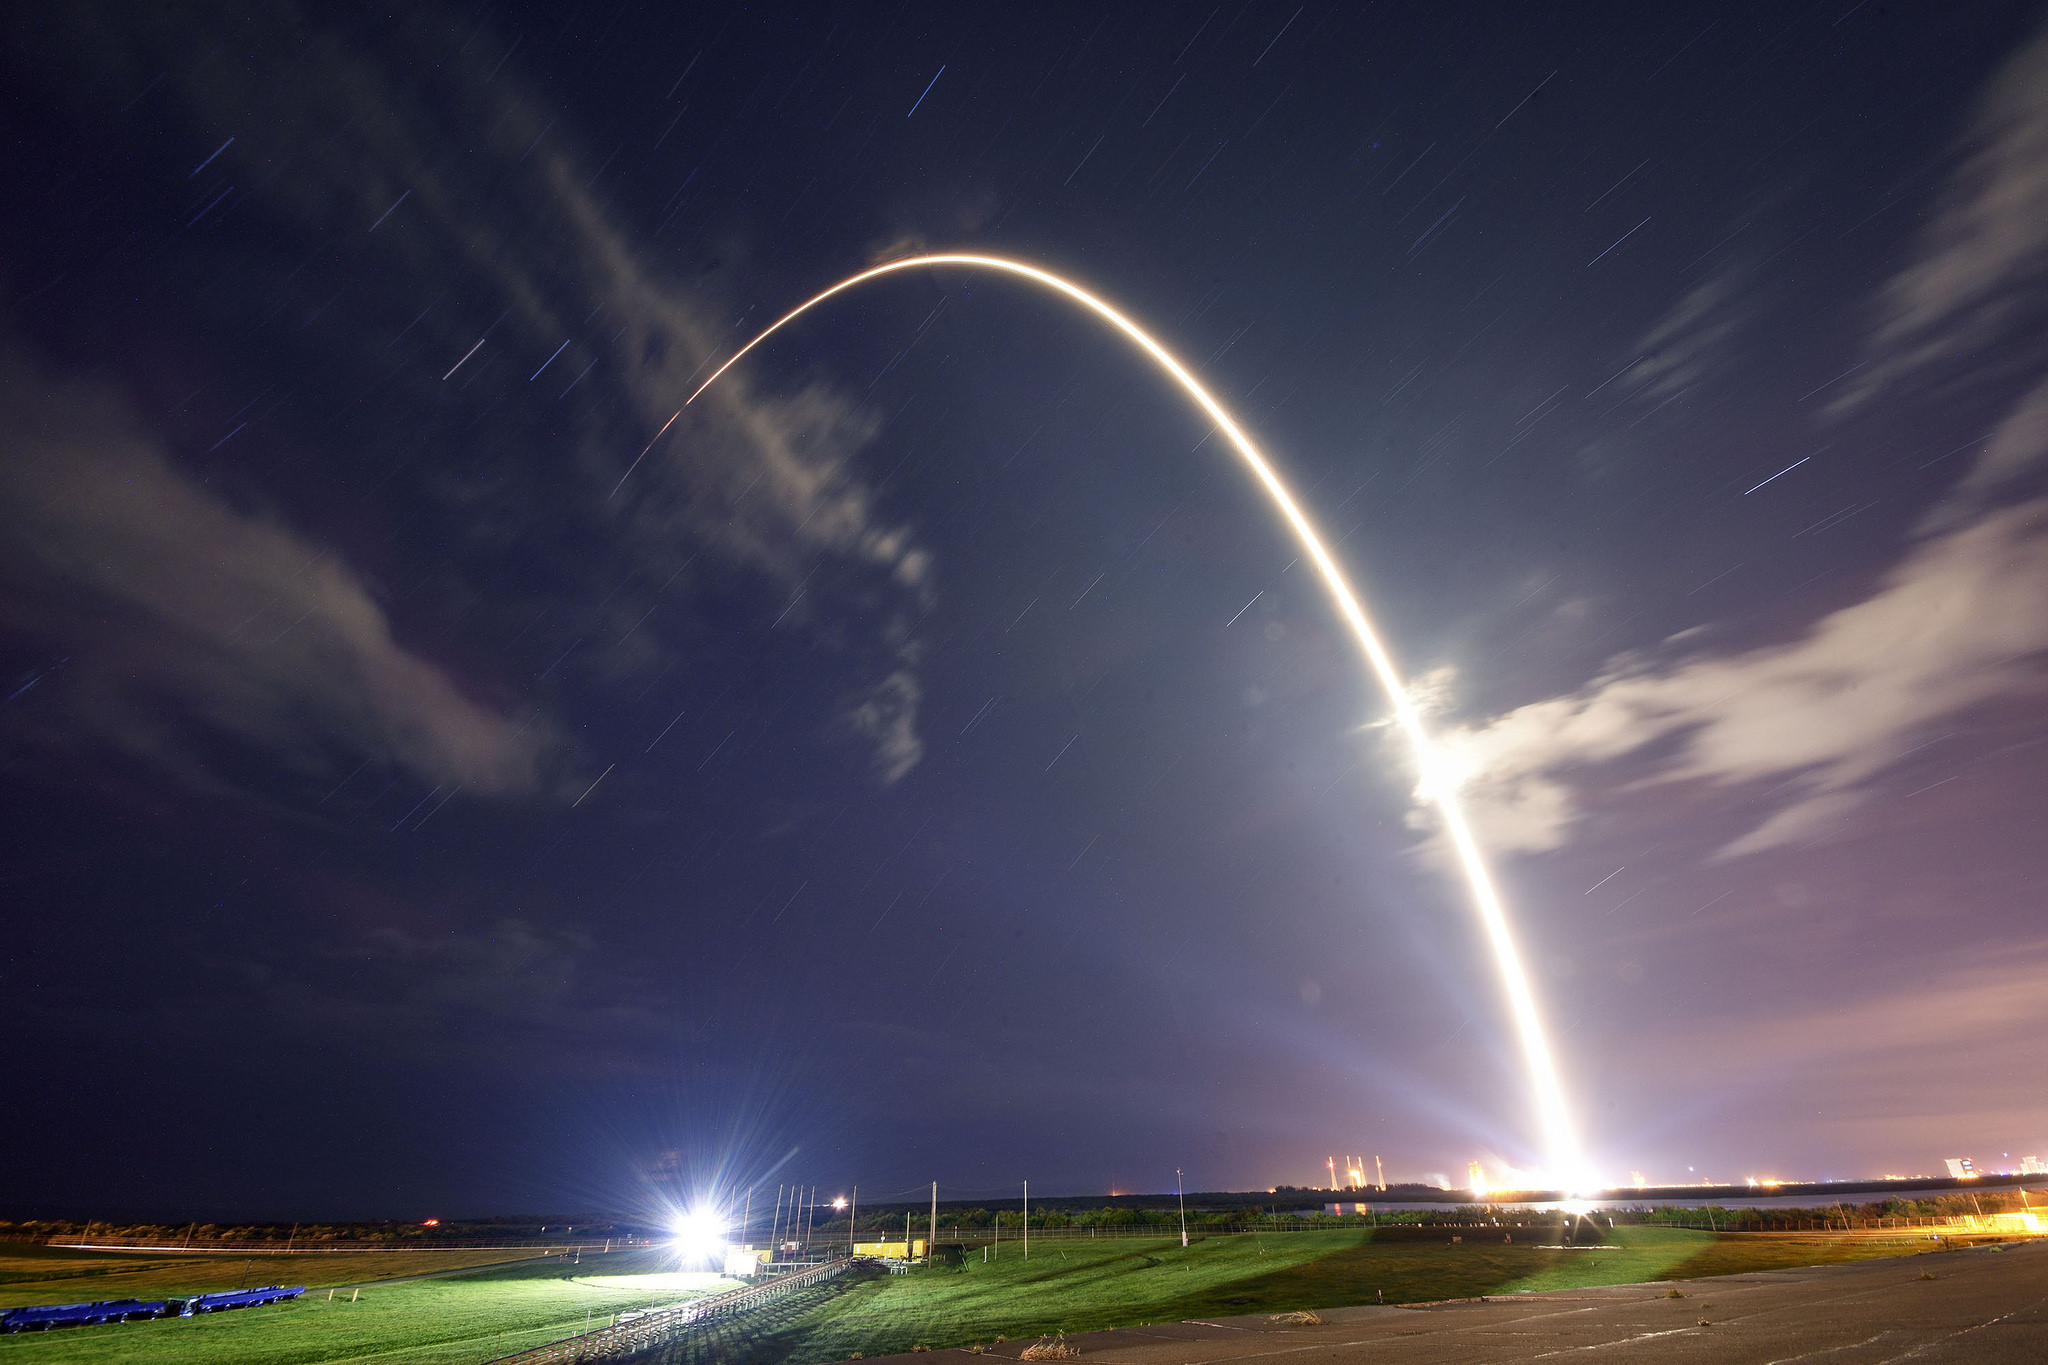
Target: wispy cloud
(1956, 624)
(1682, 347)
(159, 591)
(887, 719)
(1981, 275)
(767, 481)
(1960, 621)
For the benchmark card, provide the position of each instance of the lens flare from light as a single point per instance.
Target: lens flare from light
(699, 1235)
(1559, 1135)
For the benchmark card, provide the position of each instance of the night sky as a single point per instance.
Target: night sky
(931, 759)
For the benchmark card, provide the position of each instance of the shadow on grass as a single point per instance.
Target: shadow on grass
(1134, 1285)
(1746, 1252)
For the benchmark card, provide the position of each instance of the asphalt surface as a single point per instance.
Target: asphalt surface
(1983, 1306)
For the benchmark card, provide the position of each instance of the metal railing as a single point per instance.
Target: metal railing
(661, 1326)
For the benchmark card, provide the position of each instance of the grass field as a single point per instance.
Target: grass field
(39, 1274)
(1085, 1285)
(448, 1320)
(1069, 1286)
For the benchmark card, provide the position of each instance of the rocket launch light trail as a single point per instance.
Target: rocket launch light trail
(1560, 1137)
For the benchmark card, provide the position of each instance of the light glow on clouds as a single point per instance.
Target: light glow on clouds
(1959, 622)
(1952, 626)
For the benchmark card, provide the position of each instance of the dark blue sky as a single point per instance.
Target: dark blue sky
(414, 804)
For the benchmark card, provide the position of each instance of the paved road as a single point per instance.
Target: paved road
(1984, 1306)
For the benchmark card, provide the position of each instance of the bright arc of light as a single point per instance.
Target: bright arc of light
(1438, 783)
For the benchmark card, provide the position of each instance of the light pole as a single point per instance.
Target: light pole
(1183, 1208)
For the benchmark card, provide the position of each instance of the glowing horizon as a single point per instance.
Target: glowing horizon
(1438, 784)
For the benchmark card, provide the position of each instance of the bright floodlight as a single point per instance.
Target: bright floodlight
(840, 1202)
(700, 1234)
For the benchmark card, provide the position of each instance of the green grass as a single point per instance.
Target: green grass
(1070, 1286)
(40, 1274)
(457, 1320)
(1647, 1254)
(1085, 1285)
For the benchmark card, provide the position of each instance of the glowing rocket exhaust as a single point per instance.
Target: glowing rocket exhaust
(1560, 1138)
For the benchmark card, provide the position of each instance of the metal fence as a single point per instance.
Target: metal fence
(646, 1330)
(1147, 1232)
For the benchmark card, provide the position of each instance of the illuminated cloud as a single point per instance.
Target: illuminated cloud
(769, 482)
(1983, 263)
(1684, 345)
(1958, 623)
(157, 591)
(887, 719)
(1952, 626)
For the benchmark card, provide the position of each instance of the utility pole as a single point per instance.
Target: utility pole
(747, 1217)
(1380, 1171)
(775, 1225)
(1027, 1220)
(1331, 1162)
(931, 1241)
(1178, 1193)
(852, 1212)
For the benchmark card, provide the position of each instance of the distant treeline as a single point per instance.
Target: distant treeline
(1204, 1220)
(1237, 1204)
(377, 1232)
(1744, 1218)
(1206, 1213)
(1251, 1216)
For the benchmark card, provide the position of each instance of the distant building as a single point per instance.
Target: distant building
(1961, 1168)
(2033, 1165)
